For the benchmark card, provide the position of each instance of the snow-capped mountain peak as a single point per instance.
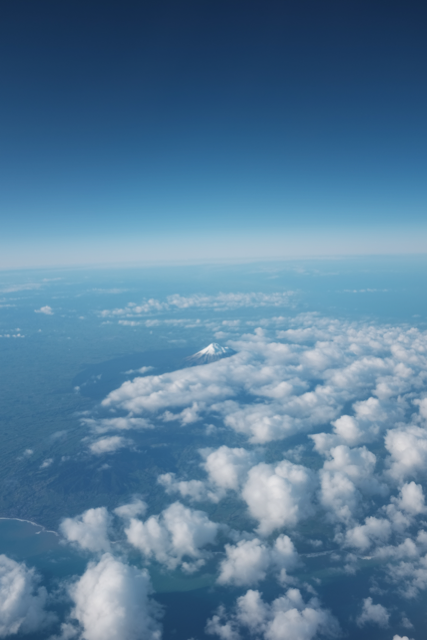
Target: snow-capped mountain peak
(212, 352)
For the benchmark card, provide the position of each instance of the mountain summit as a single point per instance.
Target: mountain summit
(210, 354)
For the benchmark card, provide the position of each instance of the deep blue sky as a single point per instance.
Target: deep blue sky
(138, 130)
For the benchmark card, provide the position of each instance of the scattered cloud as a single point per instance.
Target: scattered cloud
(14, 288)
(112, 600)
(286, 618)
(48, 311)
(248, 562)
(109, 445)
(279, 496)
(22, 600)
(219, 302)
(89, 531)
(136, 508)
(373, 614)
(104, 425)
(174, 538)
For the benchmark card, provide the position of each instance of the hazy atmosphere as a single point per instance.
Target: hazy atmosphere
(213, 320)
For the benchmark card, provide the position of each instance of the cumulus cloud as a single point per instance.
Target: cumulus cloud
(89, 530)
(48, 311)
(131, 510)
(248, 562)
(22, 600)
(373, 531)
(279, 496)
(373, 614)
(411, 499)
(286, 618)
(175, 537)
(109, 445)
(226, 467)
(112, 600)
(292, 387)
(345, 477)
(407, 446)
(358, 386)
(191, 489)
(408, 569)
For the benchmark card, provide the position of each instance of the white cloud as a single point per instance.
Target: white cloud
(363, 536)
(411, 499)
(175, 537)
(408, 451)
(141, 371)
(286, 618)
(248, 562)
(219, 302)
(13, 288)
(22, 600)
(124, 423)
(109, 445)
(111, 601)
(89, 530)
(279, 496)
(345, 476)
(48, 311)
(292, 387)
(226, 467)
(191, 489)
(373, 614)
(136, 508)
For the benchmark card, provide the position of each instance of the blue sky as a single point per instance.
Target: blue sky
(192, 130)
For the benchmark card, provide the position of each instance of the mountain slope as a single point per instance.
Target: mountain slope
(211, 353)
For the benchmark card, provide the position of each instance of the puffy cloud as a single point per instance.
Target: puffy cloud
(396, 637)
(411, 499)
(109, 445)
(408, 451)
(290, 388)
(111, 601)
(22, 600)
(286, 618)
(89, 530)
(248, 561)
(132, 509)
(346, 474)
(191, 489)
(410, 574)
(226, 467)
(279, 496)
(177, 533)
(363, 536)
(373, 614)
(422, 404)
(48, 311)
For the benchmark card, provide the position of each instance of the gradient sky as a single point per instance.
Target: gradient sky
(211, 129)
